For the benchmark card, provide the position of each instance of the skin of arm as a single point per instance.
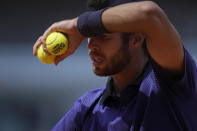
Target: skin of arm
(163, 41)
(68, 27)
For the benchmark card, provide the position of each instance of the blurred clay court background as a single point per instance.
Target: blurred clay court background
(34, 96)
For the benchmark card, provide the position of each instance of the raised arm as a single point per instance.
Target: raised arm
(163, 41)
(68, 27)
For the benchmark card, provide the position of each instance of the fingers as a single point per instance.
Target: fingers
(36, 46)
(51, 29)
(44, 47)
(60, 58)
(67, 27)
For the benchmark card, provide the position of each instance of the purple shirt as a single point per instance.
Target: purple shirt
(154, 102)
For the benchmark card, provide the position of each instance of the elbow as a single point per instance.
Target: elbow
(152, 12)
(150, 8)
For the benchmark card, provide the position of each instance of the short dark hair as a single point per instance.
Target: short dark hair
(100, 4)
(97, 4)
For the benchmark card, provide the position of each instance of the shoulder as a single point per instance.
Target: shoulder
(190, 70)
(73, 119)
(90, 96)
(188, 59)
(185, 82)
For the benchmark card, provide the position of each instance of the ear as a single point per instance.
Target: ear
(137, 39)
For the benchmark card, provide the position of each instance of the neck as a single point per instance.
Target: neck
(128, 75)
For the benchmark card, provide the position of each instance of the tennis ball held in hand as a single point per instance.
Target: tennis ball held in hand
(56, 43)
(43, 57)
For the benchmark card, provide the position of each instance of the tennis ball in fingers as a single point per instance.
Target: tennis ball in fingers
(43, 57)
(56, 43)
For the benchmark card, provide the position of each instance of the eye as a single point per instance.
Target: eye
(105, 37)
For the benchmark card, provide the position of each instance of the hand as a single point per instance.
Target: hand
(68, 27)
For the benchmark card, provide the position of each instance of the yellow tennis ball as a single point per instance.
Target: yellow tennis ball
(44, 58)
(56, 43)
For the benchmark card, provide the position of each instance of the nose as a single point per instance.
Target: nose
(93, 44)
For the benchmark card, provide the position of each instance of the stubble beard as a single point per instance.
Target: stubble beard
(116, 63)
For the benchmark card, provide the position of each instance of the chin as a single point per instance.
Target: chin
(100, 72)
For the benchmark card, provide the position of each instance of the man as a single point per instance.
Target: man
(153, 78)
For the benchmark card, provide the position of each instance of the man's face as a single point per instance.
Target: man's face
(108, 54)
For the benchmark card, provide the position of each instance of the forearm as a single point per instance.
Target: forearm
(132, 17)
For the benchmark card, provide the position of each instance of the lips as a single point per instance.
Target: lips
(96, 58)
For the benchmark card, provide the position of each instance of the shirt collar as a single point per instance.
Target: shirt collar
(127, 93)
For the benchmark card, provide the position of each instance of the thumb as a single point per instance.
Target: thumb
(60, 58)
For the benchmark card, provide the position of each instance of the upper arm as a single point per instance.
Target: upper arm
(163, 41)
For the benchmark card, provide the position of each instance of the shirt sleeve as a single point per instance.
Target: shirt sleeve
(186, 84)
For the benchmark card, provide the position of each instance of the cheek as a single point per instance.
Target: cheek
(123, 55)
(111, 51)
(112, 45)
